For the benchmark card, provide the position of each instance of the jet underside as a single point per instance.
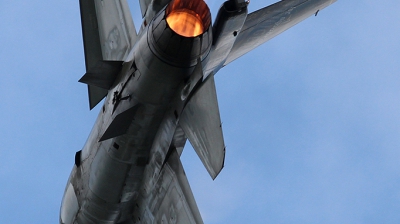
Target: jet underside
(159, 92)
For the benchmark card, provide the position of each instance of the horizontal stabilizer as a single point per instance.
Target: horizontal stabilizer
(201, 123)
(264, 24)
(103, 74)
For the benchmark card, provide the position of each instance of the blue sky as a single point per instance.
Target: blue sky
(311, 119)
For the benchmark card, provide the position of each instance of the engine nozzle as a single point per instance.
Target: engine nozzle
(181, 33)
(188, 18)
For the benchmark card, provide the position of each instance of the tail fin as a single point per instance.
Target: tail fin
(108, 34)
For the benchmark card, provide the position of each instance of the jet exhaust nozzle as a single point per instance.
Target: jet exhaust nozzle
(188, 18)
(181, 33)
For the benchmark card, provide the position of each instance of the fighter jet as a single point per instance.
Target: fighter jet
(159, 90)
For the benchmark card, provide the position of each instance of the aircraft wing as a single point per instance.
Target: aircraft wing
(108, 35)
(171, 199)
(266, 23)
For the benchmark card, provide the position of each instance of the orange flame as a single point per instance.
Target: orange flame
(185, 23)
(188, 18)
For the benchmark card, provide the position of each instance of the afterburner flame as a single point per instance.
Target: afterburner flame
(188, 18)
(185, 23)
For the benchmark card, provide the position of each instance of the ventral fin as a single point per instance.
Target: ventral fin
(201, 123)
(100, 78)
(96, 94)
(103, 74)
(120, 124)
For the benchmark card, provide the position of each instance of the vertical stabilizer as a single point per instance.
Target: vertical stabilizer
(108, 34)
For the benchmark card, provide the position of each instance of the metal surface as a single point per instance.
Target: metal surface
(202, 125)
(108, 34)
(170, 200)
(228, 24)
(102, 75)
(160, 91)
(266, 23)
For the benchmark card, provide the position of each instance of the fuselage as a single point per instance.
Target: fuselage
(111, 172)
(162, 93)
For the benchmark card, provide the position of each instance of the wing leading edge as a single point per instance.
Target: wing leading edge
(266, 23)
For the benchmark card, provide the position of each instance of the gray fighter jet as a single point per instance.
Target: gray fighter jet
(160, 92)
